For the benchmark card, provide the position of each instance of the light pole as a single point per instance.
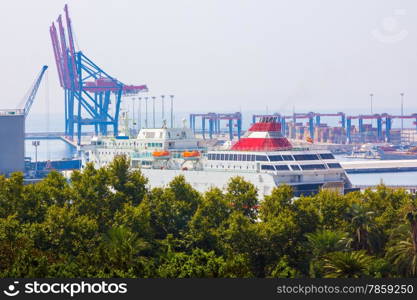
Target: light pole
(133, 114)
(140, 114)
(163, 108)
(146, 112)
(372, 96)
(36, 144)
(153, 111)
(402, 111)
(172, 110)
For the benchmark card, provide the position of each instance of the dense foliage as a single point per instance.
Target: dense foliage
(108, 223)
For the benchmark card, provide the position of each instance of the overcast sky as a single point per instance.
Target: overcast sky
(226, 55)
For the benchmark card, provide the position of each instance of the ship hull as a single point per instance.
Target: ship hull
(264, 182)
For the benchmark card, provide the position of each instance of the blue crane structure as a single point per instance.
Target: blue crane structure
(214, 123)
(89, 90)
(28, 101)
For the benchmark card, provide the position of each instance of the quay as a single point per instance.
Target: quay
(379, 166)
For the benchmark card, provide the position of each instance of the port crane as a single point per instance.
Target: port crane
(28, 101)
(89, 90)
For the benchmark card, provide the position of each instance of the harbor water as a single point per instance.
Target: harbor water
(49, 150)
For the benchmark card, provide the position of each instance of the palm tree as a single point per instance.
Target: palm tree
(362, 221)
(402, 252)
(122, 246)
(353, 264)
(324, 241)
(412, 220)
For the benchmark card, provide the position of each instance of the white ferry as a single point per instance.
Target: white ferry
(262, 156)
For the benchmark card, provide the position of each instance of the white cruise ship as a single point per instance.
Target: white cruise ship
(263, 156)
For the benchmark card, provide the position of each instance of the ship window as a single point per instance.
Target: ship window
(226, 157)
(221, 156)
(313, 167)
(295, 167)
(252, 157)
(334, 166)
(275, 157)
(244, 157)
(306, 157)
(326, 156)
(239, 157)
(234, 156)
(288, 157)
(267, 167)
(282, 168)
(261, 157)
(217, 156)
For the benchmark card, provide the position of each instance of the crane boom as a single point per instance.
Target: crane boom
(33, 91)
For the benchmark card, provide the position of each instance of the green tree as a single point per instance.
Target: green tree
(353, 264)
(129, 186)
(64, 231)
(322, 242)
(198, 264)
(212, 212)
(91, 195)
(283, 269)
(243, 196)
(121, 253)
(362, 222)
(273, 204)
(402, 250)
(172, 208)
(137, 219)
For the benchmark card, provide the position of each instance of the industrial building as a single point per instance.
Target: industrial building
(12, 135)
(12, 132)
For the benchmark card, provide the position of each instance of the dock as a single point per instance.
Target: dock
(379, 166)
(86, 136)
(409, 188)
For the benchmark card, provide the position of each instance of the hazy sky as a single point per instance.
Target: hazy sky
(226, 55)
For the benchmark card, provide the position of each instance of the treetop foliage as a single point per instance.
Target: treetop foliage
(109, 222)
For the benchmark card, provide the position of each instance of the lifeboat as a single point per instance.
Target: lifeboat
(191, 154)
(161, 154)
